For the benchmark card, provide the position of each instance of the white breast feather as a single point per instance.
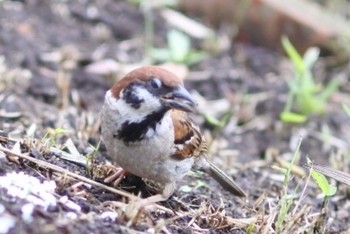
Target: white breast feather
(150, 158)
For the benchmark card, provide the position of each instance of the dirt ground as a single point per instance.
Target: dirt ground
(46, 48)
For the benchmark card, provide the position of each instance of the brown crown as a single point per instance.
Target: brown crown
(144, 74)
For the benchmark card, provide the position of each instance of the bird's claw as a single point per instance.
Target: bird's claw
(116, 175)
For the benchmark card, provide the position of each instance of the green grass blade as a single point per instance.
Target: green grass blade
(290, 117)
(293, 55)
(347, 110)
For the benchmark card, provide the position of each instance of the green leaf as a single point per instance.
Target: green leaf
(290, 117)
(250, 228)
(286, 200)
(329, 90)
(309, 103)
(219, 123)
(306, 82)
(226, 118)
(201, 184)
(60, 131)
(347, 110)
(293, 55)
(161, 55)
(285, 204)
(322, 182)
(195, 57)
(179, 45)
(212, 120)
(305, 96)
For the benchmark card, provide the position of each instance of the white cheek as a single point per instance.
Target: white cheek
(150, 103)
(125, 112)
(111, 101)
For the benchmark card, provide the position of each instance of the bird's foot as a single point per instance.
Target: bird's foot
(116, 175)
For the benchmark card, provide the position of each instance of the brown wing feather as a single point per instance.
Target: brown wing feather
(188, 139)
(190, 143)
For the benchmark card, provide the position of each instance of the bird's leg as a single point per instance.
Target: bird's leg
(149, 202)
(116, 177)
(168, 190)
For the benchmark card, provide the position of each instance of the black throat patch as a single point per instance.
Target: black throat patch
(131, 132)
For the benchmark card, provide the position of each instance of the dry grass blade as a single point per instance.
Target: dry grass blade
(63, 171)
(296, 218)
(241, 223)
(330, 172)
(294, 168)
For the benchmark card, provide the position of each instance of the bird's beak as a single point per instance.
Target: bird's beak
(179, 98)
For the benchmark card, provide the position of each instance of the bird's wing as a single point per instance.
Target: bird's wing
(188, 141)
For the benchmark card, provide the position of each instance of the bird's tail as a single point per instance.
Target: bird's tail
(224, 180)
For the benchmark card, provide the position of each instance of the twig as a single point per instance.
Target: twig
(63, 171)
(187, 24)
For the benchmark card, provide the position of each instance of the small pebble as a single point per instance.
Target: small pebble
(109, 216)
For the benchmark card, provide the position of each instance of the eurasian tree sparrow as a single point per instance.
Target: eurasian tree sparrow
(148, 133)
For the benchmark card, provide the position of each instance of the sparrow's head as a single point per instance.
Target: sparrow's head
(151, 88)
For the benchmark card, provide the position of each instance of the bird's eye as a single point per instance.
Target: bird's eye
(155, 83)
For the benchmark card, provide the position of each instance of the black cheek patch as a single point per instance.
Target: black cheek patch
(131, 98)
